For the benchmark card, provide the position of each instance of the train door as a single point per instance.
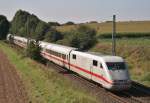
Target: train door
(94, 69)
(91, 70)
(97, 71)
(63, 61)
(67, 61)
(64, 58)
(102, 74)
(101, 70)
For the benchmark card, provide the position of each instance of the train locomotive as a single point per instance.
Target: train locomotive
(109, 71)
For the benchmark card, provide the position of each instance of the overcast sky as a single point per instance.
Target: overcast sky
(79, 10)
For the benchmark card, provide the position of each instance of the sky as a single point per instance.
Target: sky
(79, 11)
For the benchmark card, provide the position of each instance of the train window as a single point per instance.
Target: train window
(48, 51)
(59, 54)
(94, 63)
(74, 56)
(101, 66)
(63, 56)
(116, 65)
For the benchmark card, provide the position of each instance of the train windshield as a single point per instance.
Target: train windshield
(116, 65)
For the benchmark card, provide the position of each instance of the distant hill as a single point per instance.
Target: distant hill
(106, 27)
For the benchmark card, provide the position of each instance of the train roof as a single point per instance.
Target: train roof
(95, 53)
(66, 50)
(20, 38)
(57, 47)
(98, 56)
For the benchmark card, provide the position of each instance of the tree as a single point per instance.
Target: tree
(31, 24)
(74, 40)
(28, 25)
(19, 22)
(53, 24)
(41, 30)
(4, 27)
(53, 35)
(69, 23)
(83, 37)
(93, 22)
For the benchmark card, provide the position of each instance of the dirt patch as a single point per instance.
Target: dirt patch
(11, 86)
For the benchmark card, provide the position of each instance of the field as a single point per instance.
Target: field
(122, 27)
(45, 85)
(136, 53)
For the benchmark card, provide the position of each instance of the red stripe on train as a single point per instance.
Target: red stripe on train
(79, 68)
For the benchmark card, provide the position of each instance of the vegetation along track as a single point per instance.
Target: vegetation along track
(137, 94)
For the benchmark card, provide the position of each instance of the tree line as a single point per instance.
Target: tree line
(30, 26)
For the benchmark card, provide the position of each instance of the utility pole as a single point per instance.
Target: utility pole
(114, 36)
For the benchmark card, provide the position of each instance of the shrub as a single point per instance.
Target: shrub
(53, 35)
(69, 23)
(82, 38)
(53, 24)
(33, 51)
(40, 31)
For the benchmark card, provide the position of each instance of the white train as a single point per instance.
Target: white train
(109, 71)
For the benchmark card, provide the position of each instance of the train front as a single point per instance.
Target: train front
(117, 73)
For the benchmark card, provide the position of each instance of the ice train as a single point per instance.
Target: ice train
(109, 71)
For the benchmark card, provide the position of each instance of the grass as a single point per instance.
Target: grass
(122, 27)
(44, 85)
(136, 53)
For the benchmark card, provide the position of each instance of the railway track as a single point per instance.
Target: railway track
(137, 94)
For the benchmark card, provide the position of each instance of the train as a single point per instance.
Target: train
(111, 72)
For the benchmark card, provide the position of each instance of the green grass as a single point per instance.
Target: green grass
(136, 53)
(44, 85)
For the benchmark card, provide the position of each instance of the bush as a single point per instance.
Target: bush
(82, 38)
(41, 30)
(93, 22)
(53, 35)
(69, 23)
(53, 24)
(33, 51)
